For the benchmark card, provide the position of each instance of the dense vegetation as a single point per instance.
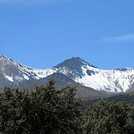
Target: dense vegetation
(49, 111)
(109, 118)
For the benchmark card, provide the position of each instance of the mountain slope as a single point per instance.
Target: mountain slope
(115, 80)
(15, 72)
(74, 69)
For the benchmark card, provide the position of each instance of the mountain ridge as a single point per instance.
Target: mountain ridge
(76, 69)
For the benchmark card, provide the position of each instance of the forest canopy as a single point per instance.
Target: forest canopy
(49, 111)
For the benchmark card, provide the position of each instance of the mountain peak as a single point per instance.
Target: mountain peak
(3, 56)
(6, 60)
(74, 62)
(73, 67)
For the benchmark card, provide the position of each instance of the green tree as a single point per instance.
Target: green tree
(107, 118)
(42, 111)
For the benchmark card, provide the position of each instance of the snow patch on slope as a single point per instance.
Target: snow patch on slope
(26, 77)
(42, 73)
(108, 80)
(9, 78)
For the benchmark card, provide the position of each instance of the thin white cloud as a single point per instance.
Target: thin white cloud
(126, 37)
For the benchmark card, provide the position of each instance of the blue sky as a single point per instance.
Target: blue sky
(42, 33)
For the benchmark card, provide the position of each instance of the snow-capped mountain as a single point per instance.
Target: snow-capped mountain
(75, 69)
(115, 80)
(15, 72)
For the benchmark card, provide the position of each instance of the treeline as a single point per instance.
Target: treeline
(49, 111)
